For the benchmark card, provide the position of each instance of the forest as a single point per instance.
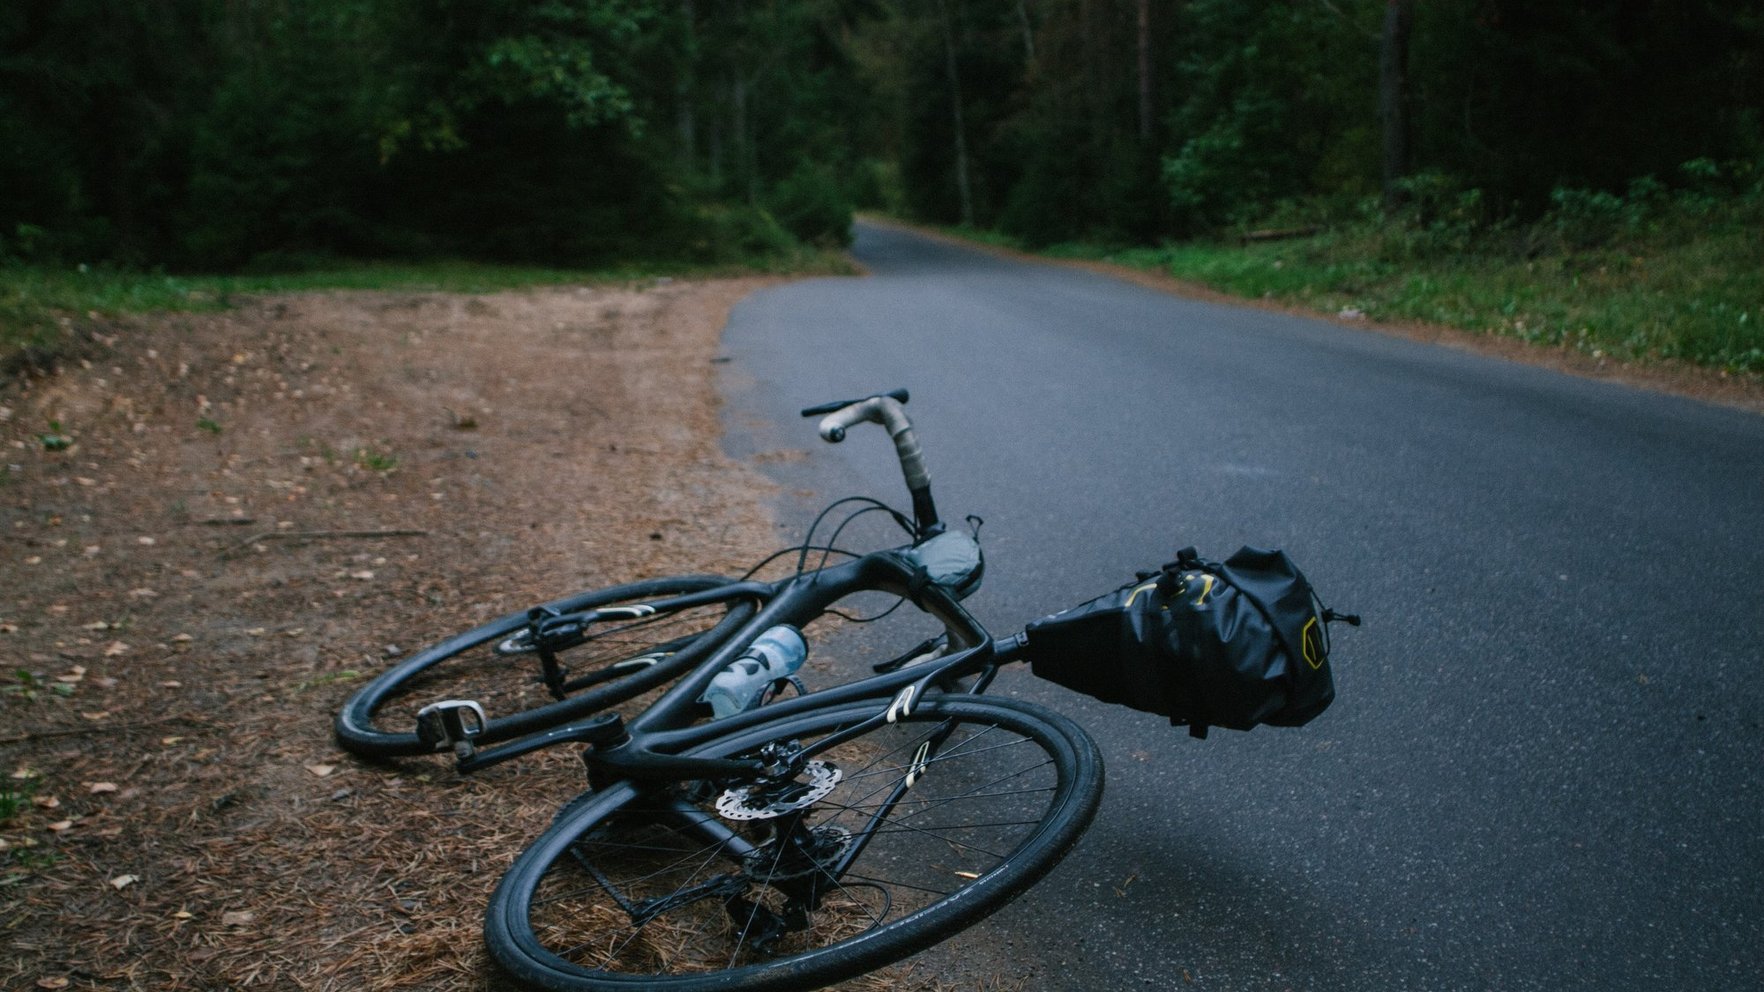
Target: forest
(239, 135)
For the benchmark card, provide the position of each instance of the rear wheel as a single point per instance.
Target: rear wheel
(500, 667)
(870, 850)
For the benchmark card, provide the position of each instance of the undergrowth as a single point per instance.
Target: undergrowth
(1653, 273)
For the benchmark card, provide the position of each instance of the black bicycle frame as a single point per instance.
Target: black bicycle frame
(650, 747)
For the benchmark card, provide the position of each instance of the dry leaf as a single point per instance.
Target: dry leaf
(96, 715)
(115, 648)
(98, 787)
(60, 825)
(121, 882)
(321, 770)
(46, 802)
(363, 575)
(237, 918)
(52, 983)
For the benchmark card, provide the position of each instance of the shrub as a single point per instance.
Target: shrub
(720, 233)
(812, 205)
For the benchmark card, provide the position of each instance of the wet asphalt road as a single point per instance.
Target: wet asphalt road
(1545, 766)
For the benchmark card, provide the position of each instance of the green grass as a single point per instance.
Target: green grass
(1692, 296)
(375, 460)
(1643, 277)
(14, 797)
(39, 304)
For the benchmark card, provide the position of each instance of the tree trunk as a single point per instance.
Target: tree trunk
(685, 116)
(955, 99)
(1145, 79)
(1393, 98)
(745, 156)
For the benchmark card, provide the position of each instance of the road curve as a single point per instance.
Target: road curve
(1545, 768)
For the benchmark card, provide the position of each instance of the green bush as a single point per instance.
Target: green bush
(877, 186)
(1439, 218)
(811, 204)
(724, 234)
(1038, 209)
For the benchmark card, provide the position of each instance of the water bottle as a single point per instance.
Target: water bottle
(774, 655)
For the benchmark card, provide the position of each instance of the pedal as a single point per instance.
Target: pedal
(451, 723)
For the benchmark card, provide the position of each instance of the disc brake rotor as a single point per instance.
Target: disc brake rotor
(768, 800)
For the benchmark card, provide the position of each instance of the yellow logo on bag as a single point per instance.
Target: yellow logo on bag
(1187, 581)
(1201, 600)
(1135, 593)
(1311, 643)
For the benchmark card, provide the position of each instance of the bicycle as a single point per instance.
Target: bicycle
(791, 845)
(599, 648)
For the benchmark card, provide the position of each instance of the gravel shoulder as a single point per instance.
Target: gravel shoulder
(215, 525)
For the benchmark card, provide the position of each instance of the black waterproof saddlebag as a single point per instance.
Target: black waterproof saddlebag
(1203, 643)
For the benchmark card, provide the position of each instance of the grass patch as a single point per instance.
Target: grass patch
(1702, 303)
(1654, 273)
(41, 305)
(15, 796)
(31, 686)
(1682, 283)
(375, 460)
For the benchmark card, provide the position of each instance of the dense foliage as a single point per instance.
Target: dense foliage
(1133, 119)
(222, 133)
(228, 133)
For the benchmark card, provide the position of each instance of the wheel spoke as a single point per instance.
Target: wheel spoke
(868, 851)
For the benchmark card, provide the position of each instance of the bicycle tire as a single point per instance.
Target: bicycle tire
(486, 664)
(613, 872)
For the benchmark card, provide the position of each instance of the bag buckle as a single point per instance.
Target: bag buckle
(451, 723)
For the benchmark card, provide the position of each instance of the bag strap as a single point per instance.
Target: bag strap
(1187, 560)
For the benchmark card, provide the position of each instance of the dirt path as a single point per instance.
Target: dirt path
(257, 507)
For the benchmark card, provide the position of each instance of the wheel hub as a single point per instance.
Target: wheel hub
(793, 858)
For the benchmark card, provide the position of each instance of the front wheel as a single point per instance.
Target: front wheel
(869, 850)
(497, 666)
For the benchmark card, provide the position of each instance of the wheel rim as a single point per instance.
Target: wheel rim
(480, 665)
(654, 892)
